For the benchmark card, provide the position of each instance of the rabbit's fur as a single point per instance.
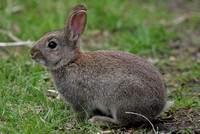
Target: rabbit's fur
(102, 85)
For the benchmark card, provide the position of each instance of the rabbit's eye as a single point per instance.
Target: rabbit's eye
(52, 45)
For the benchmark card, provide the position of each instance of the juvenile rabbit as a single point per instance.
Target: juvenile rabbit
(102, 85)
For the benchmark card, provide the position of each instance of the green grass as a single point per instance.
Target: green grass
(146, 28)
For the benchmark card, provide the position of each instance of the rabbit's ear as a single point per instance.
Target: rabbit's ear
(75, 9)
(76, 22)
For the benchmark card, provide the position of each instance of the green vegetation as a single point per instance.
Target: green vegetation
(163, 32)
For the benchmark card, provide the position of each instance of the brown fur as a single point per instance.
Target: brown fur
(101, 84)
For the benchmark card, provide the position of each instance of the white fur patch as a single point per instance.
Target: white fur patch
(167, 105)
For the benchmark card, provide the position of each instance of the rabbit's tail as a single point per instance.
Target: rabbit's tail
(167, 105)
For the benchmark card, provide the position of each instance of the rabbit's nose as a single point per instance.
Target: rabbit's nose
(33, 53)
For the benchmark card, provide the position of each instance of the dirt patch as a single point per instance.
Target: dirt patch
(187, 120)
(183, 6)
(182, 121)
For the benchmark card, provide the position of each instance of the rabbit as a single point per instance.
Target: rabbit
(100, 85)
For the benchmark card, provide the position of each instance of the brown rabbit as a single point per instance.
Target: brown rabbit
(102, 85)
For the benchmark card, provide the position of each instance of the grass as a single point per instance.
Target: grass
(151, 29)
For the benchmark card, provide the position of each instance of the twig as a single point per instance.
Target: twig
(53, 91)
(10, 35)
(44, 120)
(144, 118)
(47, 114)
(104, 132)
(17, 42)
(11, 9)
(14, 9)
(29, 43)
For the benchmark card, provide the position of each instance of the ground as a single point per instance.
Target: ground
(166, 33)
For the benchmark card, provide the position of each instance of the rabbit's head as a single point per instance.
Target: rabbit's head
(59, 47)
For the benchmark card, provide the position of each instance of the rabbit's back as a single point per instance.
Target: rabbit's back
(114, 70)
(119, 63)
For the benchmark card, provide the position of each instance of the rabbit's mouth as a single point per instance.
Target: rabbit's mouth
(57, 62)
(39, 61)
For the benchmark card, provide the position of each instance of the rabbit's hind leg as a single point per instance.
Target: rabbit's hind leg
(104, 120)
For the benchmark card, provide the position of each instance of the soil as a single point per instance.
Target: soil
(182, 121)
